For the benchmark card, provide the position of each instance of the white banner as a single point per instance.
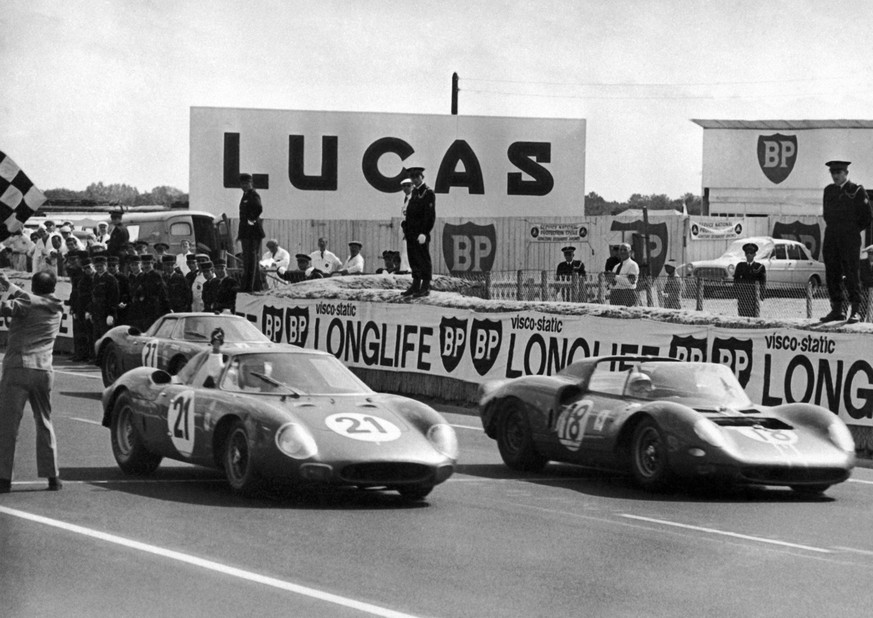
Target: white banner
(559, 232)
(775, 366)
(704, 229)
(344, 165)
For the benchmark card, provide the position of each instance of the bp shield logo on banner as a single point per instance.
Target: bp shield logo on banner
(485, 339)
(271, 323)
(469, 247)
(776, 155)
(658, 241)
(688, 349)
(807, 233)
(297, 325)
(453, 342)
(736, 354)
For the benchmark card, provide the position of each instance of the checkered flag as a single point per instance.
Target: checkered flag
(19, 198)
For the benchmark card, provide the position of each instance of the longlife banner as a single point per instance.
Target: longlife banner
(775, 366)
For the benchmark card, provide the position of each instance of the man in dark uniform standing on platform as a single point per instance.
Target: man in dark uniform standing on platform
(225, 295)
(119, 238)
(104, 298)
(250, 234)
(750, 280)
(567, 269)
(152, 293)
(847, 214)
(123, 280)
(177, 287)
(417, 225)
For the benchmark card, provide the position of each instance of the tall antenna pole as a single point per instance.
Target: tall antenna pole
(454, 94)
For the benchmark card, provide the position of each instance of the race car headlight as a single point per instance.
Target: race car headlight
(709, 432)
(293, 440)
(444, 440)
(842, 437)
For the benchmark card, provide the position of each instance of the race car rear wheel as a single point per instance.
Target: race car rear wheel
(415, 492)
(649, 463)
(515, 440)
(810, 490)
(237, 459)
(110, 364)
(128, 448)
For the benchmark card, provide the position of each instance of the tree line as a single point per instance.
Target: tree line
(118, 194)
(597, 205)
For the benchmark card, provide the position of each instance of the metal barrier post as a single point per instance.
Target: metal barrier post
(809, 299)
(600, 281)
(699, 293)
(519, 282)
(544, 284)
(487, 285)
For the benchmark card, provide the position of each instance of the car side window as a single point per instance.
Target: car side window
(165, 330)
(779, 252)
(794, 252)
(210, 368)
(605, 380)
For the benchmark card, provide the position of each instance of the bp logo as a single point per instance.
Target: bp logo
(453, 342)
(688, 349)
(485, 338)
(658, 241)
(469, 247)
(272, 323)
(736, 354)
(297, 325)
(808, 234)
(776, 155)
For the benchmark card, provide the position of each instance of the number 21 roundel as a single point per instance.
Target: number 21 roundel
(180, 422)
(364, 427)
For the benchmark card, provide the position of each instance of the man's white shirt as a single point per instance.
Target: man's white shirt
(327, 262)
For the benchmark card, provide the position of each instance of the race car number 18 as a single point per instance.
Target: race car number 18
(180, 422)
(571, 424)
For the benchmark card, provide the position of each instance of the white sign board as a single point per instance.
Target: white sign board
(784, 159)
(345, 165)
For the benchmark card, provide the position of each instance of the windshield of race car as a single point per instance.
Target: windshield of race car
(278, 373)
(199, 328)
(694, 384)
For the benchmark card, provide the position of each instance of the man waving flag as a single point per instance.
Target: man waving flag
(19, 198)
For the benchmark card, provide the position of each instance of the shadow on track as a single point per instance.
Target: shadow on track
(620, 486)
(208, 487)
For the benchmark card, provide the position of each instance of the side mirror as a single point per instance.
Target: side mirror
(161, 377)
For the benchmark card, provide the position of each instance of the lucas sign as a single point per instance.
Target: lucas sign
(344, 165)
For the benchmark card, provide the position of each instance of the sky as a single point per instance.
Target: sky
(101, 91)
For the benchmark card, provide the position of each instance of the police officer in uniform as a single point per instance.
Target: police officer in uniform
(847, 213)
(210, 286)
(177, 286)
(750, 280)
(250, 233)
(131, 308)
(152, 293)
(80, 337)
(567, 269)
(119, 238)
(104, 298)
(112, 264)
(417, 225)
(225, 295)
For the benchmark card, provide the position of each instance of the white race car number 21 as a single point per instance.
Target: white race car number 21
(180, 422)
(150, 354)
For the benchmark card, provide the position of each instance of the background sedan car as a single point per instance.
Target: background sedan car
(788, 262)
(278, 412)
(169, 342)
(662, 419)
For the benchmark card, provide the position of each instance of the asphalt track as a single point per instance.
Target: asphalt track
(489, 542)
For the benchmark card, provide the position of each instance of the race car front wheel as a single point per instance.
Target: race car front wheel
(649, 456)
(110, 364)
(237, 459)
(128, 447)
(515, 440)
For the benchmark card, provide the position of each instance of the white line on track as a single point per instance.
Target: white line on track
(860, 481)
(123, 482)
(725, 533)
(210, 565)
(85, 420)
(467, 427)
(80, 374)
